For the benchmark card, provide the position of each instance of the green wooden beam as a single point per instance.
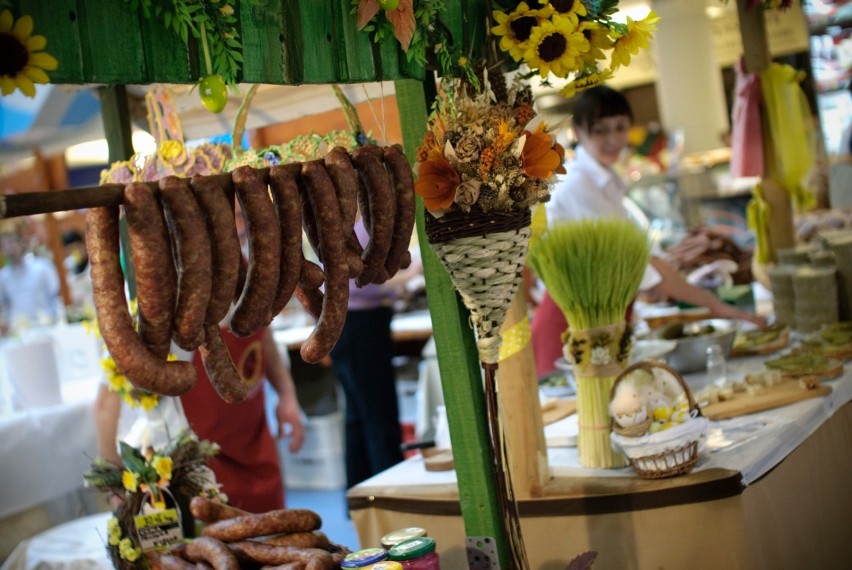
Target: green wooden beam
(115, 114)
(458, 358)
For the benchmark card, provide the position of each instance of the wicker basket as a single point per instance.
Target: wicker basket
(666, 453)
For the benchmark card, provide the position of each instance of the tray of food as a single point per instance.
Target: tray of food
(771, 339)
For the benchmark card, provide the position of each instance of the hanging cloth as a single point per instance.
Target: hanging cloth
(747, 127)
(757, 217)
(791, 131)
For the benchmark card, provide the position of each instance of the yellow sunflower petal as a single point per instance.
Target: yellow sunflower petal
(7, 85)
(35, 43)
(23, 27)
(44, 61)
(36, 74)
(25, 84)
(6, 20)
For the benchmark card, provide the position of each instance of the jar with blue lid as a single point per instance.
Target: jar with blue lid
(416, 554)
(364, 558)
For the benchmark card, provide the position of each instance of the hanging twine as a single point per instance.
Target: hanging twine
(487, 271)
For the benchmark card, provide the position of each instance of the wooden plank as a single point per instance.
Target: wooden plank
(354, 47)
(262, 31)
(167, 59)
(112, 46)
(387, 55)
(58, 22)
(773, 397)
(319, 59)
(292, 44)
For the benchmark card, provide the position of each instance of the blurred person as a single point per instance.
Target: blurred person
(29, 284)
(77, 277)
(362, 361)
(591, 188)
(247, 466)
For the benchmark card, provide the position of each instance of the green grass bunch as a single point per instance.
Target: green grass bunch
(591, 268)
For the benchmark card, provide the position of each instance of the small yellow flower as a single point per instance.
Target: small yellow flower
(585, 81)
(127, 551)
(639, 33)
(570, 8)
(149, 401)
(227, 10)
(114, 531)
(23, 63)
(130, 480)
(462, 61)
(171, 150)
(163, 467)
(515, 28)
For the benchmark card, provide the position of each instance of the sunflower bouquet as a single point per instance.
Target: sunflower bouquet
(570, 39)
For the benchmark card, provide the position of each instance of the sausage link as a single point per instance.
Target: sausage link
(215, 552)
(377, 182)
(285, 195)
(403, 184)
(144, 369)
(210, 511)
(223, 373)
(311, 300)
(333, 315)
(345, 179)
(173, 562)
(193, 260)
(311, 275)
(285, 566)
(225, 251)
(156, 279)
(250, 551)
(270, 522)
(315, 539)
(254, 307)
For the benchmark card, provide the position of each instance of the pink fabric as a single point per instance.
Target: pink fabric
(747, 130)
(547, 325)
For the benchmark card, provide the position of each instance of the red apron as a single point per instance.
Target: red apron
(247, 465)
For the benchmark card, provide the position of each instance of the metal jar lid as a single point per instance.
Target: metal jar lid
(401, 535)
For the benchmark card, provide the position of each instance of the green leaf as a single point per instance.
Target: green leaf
(132, 457)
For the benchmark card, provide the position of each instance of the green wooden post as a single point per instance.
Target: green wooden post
(115, 114)
(458, 358)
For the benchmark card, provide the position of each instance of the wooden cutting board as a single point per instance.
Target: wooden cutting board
(556, 410)
(773, 397)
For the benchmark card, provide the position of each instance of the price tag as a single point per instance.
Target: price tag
(158, 530)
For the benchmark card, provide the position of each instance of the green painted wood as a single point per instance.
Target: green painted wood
(388, 55)
(354, 47)
(115, 114)
(262, 34)
(112, 45)
(458, 359)
(166, 57)
(58, 22)
(319, 59)
(292, 45)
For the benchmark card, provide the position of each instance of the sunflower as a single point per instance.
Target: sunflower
(515, 28)
(555, 47)
(599, 40)
(637, 36)
(585, 81)
(23, 63)
(570, 8)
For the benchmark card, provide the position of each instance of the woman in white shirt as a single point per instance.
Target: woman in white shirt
(591, 188)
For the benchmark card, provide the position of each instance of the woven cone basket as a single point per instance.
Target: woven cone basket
(484, 255)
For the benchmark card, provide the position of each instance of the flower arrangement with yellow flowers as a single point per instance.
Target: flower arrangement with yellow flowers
(570, 38)
(484, 155)
(148, 481)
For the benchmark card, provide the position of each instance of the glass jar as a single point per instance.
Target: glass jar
(386, 565)
(364, 558)
(393, 538)
(416, 554)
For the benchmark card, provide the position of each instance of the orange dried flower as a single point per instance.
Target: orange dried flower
(541, 157)
(436, 183)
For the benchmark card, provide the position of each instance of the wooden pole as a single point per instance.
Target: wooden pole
(517, 391)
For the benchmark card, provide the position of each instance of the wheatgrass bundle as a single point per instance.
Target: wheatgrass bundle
(592, 269)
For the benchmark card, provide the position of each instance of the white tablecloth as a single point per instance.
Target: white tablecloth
(75, 545)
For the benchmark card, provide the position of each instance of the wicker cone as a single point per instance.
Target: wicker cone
(486, 271)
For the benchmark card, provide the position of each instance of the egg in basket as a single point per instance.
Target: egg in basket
(655, 420)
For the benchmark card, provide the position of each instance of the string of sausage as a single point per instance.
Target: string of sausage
(144, 369)
(254, 307)
(156, 279)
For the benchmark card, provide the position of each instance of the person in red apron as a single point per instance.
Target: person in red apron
(247, 465)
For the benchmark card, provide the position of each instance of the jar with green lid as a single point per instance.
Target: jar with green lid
(364, 558)
(401, 535)
(815, 291)
(416, 554)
